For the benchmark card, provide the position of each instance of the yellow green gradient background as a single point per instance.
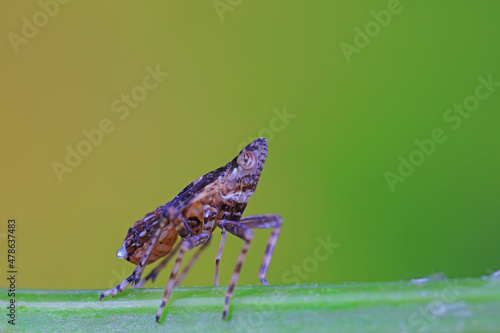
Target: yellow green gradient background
(325, 168)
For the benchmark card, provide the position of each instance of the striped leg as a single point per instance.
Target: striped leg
(154, 273)
(180, 225)
(119, 288)
(265, 222)
(218, 256)
(187, 244)
(245, 233)
(136, 274)
(182, 229)
(191, 263)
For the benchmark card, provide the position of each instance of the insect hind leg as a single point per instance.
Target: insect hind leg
(118, 288)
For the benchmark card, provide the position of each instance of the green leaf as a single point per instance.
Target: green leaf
(462, 305)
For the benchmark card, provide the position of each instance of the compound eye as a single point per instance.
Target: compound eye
(247, 160)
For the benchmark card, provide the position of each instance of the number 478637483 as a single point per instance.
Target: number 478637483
(217, 199)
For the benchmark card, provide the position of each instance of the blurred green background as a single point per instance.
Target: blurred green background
(233, 67)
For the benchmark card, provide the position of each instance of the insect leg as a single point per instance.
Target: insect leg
(182, 229)
(265, 222)
(245, 233)
(187, 244)
(169, 214)
(208, 217)
(179, 222)
(154, 273)
(218, 256)
(136, 274)
(119, 288)
(191, 263)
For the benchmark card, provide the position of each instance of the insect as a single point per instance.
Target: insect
(217, 199)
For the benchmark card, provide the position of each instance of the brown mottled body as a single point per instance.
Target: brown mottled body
(139, 235)
(217, 199)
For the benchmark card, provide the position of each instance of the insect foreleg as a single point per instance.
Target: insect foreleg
(265, 222)
(242, 229)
